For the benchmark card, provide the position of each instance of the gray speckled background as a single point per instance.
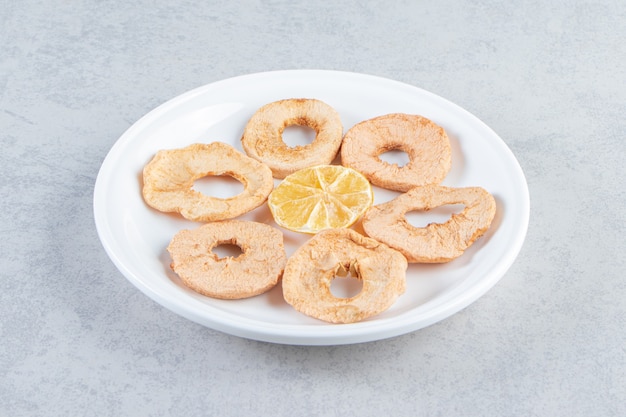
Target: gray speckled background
(76, 338)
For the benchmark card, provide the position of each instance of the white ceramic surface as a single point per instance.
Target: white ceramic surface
(135, 236)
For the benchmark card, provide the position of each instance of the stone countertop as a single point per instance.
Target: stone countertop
(76, 338)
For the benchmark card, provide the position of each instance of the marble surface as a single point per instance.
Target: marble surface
(76, 338)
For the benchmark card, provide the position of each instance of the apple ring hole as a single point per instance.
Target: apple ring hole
(220, 186)
(227, 250)
(346, 287)
(298, 135)
(395, 156)
(438, 215)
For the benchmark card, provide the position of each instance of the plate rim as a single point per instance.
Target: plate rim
(323, 335)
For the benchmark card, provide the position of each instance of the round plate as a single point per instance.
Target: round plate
(136, 236)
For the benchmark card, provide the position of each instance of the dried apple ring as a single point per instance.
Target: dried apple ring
(262, 137)
(256, 270)
(437, 242)
(334, 252)
(169, 178)
(426, 144)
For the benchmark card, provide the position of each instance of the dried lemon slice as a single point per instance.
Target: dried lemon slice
(320, 197)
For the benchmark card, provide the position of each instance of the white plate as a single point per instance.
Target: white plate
(135, 236)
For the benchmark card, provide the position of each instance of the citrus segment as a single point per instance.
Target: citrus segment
(320, 197)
